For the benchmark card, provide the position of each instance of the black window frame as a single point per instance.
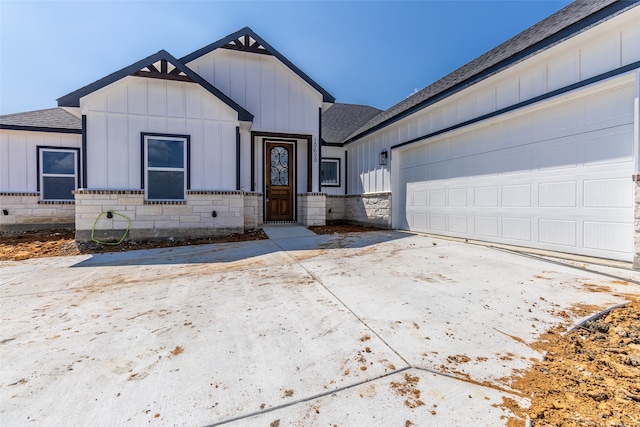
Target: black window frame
(144, 137)
(41, 175)
(338, 172)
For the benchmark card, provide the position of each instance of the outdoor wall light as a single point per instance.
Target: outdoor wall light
(214, 214)
(384, 155)
(5, 212)
(109, 214)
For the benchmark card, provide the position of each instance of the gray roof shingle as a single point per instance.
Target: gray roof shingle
(341, 120)
(547, 33)
(51, 119)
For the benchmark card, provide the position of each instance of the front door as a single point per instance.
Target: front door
(279, 181)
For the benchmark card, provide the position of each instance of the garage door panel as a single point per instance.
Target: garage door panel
(557, 194)
(486, 226)
(420, 220)
(516, 195)
(558, 232)
(457, 197)
(608, 236)
(558, 156)
(458, 224)
(485, 196)
(517, 229)
(608, 193)
(438, 222)
(438, 197)
(608, 148)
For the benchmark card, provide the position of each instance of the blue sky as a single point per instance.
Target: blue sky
(364, 52)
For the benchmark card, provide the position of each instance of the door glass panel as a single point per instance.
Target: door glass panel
(279, 166)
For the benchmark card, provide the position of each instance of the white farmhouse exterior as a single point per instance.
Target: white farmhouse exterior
(533, 144)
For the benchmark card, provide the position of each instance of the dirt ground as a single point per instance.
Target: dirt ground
(17, 246)
(589, 377)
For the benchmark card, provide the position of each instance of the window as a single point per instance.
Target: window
(330, 172)
(58, 173)
(165, 167)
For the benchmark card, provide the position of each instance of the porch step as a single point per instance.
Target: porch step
(286, 231)
(279, 222)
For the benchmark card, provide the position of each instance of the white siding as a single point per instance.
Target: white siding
(608, 46)
(278, 98)
(18, 156)
(119, 113)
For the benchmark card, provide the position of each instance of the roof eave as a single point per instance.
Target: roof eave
(40, 129)
(549, 41)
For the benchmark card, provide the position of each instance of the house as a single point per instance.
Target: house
(533, 144)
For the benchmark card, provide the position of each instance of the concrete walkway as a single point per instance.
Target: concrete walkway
(380, 328)
(286, 231)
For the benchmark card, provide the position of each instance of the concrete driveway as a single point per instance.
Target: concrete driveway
(380, 328)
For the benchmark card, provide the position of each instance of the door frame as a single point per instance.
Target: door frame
(258, 141)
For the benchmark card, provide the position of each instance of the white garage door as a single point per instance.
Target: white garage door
(556, 178)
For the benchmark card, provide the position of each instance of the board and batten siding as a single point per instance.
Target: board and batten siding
(19, 156)
(608, 46)
(553, 176)
(118, 114)
(277, 97)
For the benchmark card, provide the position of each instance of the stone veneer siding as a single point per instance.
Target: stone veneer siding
(372, 209)
(253, 214)
(312, 209)
(27, 212)
(154, 220)
(335, 209)
(369, 209)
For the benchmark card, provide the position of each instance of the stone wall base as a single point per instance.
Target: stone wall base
(114, 235)
(26, 212)
(312, 209)
(202, 214)
(362, 209)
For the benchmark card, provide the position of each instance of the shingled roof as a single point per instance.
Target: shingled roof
(562, 25)
(341, 120)
(49, 120)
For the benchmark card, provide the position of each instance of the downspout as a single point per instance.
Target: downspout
(636, 175)
(238, 158)
(320, 150)
(83, 156)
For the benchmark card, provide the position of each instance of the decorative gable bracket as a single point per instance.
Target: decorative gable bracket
(246, 43)
(163, 69)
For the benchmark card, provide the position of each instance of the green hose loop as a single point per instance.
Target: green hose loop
(93, 229)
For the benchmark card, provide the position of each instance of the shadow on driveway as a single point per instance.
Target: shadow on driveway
(240, 251)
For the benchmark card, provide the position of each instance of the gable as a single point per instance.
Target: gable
(161, 65)
(246, 40)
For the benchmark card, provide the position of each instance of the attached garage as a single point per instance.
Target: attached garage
(555, 175)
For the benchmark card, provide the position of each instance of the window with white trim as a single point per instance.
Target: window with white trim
(330, 172)
(58, 169)
(165, 167)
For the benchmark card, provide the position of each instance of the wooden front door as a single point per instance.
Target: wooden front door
(279, 180)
